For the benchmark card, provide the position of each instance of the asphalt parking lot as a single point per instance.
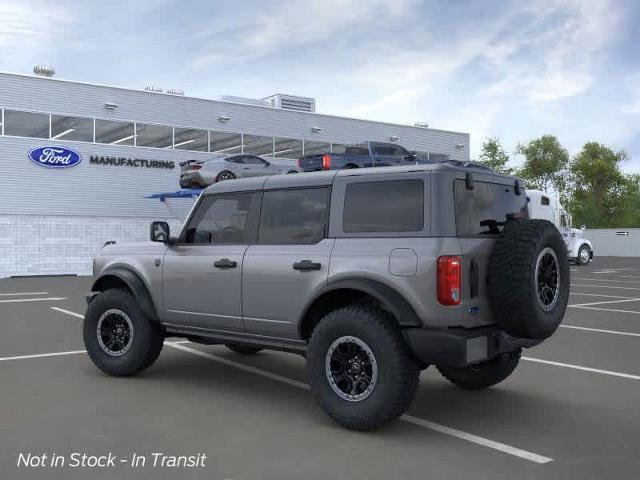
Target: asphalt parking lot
(571, 410)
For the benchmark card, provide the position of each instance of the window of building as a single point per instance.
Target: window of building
(225, 142)
(389, 206)
(190, 139)
(312, 147)
(114, 133)
(257, 145)
(295, 216)
(222, 219)
(544, 201)
(287, 148)
(71, 128)
(26, 124)
(158, 136)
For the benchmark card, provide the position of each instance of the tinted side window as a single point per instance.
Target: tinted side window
(381, 150)
(398, 151)
(388, 206)
(221, 219)
(295, 216)
(486, 208)
(357, 151)
(251, 160)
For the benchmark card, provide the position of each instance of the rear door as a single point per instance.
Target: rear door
(290, 260)
(480, 214)
(381, 154)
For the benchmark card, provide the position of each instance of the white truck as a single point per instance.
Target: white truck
(545, 206)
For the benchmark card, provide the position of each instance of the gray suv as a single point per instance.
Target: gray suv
(371, 274)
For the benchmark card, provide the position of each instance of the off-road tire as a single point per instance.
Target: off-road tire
(243, 349)
(483, 375)
(397, 371)
(148, 336)
(579, 257)
(513, 288)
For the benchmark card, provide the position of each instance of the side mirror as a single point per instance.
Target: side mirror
(159, 232)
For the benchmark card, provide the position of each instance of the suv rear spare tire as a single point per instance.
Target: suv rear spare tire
(529, 279)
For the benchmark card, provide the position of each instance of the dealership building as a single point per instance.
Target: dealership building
(78, 160)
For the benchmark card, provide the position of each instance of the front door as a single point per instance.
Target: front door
(202, 272)
(289, 262)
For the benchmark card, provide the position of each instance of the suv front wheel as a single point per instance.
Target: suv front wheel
(118, 336)
(360, 370)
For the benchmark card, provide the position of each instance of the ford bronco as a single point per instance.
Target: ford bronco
(371, 274)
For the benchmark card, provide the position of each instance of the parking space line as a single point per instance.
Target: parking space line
(41, 355)
(68, 312)
(17, 294)
(607, 280)
(584, 369)
(605, 286)
(597, 295)
(44, 299)
(603, 302)
(600, 330)
(615, 310)
(485, 442)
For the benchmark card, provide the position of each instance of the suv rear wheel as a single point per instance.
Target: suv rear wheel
(118, 336)
(483, 375)
(360, 370)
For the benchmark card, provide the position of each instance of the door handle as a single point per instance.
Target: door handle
(225, 263)
(304, 265)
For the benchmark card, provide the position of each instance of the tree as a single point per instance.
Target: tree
(494, 156)
(601, 194)
(545, 163)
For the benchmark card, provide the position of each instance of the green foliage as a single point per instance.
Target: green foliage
(545, 163)
(592, 186)
(601, 194)
(494, 156)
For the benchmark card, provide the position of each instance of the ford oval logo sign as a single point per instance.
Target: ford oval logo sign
(55, 157)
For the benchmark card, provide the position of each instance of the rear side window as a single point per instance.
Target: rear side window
(294, 216)
(356, 151)
(485, 209)
(387, 206)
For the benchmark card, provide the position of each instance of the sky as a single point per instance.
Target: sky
(508, 69)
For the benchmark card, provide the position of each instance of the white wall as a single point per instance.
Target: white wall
(612, 242)
(55, 245)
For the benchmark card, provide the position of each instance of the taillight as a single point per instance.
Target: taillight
(299, 162)
(326, 161)
(449, 280)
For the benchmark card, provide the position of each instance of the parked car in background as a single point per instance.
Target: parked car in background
(547, 207)
(367, 154)
(202, 173)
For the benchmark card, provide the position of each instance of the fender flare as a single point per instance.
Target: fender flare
(389, 298)
(583, 241)
(134, 283)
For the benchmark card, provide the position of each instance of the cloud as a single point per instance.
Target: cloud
(29, 25)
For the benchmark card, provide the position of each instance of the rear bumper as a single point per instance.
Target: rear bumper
(459, 347)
